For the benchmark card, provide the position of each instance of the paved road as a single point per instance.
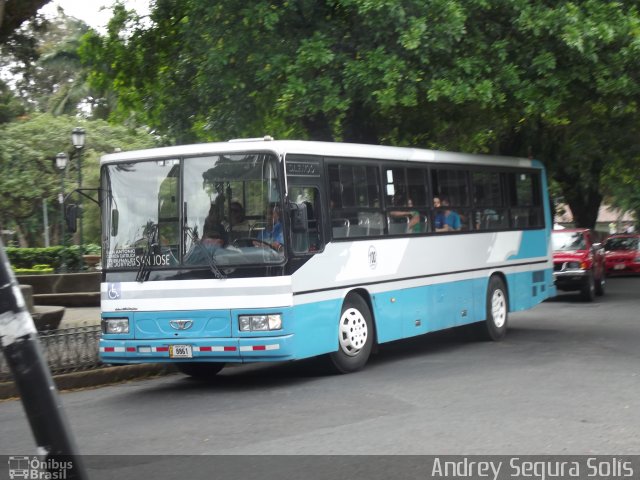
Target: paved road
(566, 380)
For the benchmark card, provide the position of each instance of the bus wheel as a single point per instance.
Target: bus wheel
(355, 336)
(200, 370)
(495, 326)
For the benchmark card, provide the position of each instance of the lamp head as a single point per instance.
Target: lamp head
(61, 161)
(77, 137)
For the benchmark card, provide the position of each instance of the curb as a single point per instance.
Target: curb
(97, 377)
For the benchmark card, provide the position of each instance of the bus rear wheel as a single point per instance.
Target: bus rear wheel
(355, 336)
(200, 370)
(495, 326)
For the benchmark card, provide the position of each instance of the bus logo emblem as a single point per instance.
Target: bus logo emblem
(181, 324)
(373, 257)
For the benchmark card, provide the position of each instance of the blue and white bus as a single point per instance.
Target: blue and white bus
(260, 250)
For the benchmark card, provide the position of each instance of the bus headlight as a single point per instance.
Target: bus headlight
(260, 323)
(115, 325)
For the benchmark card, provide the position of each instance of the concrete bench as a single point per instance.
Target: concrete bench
(45, 317)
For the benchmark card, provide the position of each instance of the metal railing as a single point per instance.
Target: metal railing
(66, 350)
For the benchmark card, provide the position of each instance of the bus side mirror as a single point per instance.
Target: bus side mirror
(71, 217)
(115, 215)
(298, 214)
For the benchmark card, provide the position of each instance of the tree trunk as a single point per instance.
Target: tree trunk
(359, 126)
(584, 207)
(318, 128)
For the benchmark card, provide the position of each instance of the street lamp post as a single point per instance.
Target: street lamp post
(61, 164)
(77, 138)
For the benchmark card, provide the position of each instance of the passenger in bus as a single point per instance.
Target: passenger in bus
(214, 231)
(413, 216)
(213, 234)
(273, 234)
(237, 220)
(446, 220)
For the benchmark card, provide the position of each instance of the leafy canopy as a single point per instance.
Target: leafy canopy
(557, 80)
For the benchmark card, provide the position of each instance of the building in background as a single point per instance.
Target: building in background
(610, 220)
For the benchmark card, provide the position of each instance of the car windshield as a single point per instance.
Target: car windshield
(622, 243)
(568, 241)
(208, 211)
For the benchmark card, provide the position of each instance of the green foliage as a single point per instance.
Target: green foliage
(36, 270)
(58, 258)
(92, 249)
(556, 80)
(10, 106)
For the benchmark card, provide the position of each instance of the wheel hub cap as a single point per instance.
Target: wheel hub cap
(353, 332)
(498, 308)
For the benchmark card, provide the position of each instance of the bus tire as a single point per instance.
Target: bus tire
(200, 370)
(355, 336)
(494, 328)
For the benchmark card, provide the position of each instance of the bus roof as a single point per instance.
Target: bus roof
(333, 149)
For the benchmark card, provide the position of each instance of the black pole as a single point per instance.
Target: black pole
(79, 153)
(62, 241)
(34, 381)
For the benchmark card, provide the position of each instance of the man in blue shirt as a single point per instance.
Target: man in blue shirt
(273, 234)
(447, 220)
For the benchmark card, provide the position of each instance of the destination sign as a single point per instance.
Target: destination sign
(303, 169)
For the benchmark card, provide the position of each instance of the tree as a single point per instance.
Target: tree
(44, 62)
(10, 105)
(622, 185)
(27, 153)
(14, 13)
(559, 81)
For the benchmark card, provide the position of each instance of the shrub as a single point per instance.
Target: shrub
(40, 269)
(92, 249)
(53, 257)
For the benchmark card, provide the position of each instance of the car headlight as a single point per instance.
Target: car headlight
(115, 325)
(573, 265)
(260, 323)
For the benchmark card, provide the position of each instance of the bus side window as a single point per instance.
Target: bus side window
(304, 222)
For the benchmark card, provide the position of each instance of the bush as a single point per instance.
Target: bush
(36, 270)
(53, 257)
(92, 249)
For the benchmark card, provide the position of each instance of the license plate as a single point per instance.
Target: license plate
(180, 351)
(619, 266)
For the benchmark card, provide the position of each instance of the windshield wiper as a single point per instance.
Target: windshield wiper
(152, 245)
(207, 254)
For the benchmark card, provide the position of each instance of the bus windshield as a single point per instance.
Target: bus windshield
(193, 212)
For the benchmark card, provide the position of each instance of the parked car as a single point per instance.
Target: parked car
(622, 254)
(578, 262)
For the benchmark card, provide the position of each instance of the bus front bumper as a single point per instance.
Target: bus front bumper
(228, 350)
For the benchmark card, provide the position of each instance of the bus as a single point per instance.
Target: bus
(263, 250)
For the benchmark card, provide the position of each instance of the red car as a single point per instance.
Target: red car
(622, 254)
(578, 262)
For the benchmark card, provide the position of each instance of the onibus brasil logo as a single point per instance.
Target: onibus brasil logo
(36, 469)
